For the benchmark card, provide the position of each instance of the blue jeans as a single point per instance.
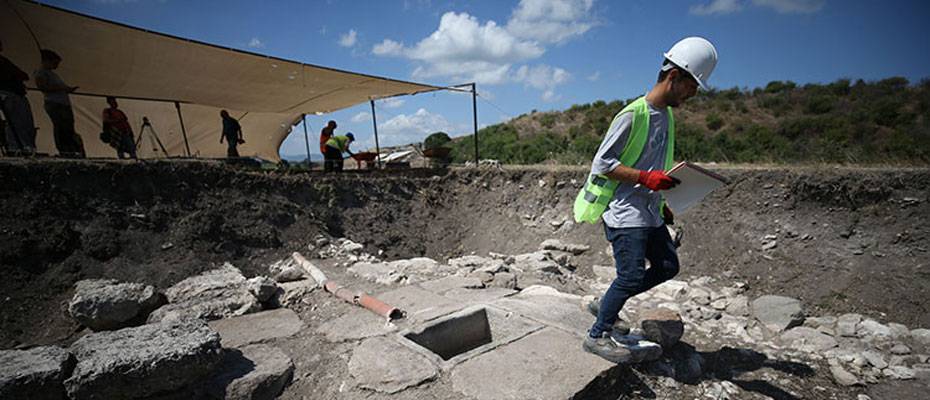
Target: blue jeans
(632, 247)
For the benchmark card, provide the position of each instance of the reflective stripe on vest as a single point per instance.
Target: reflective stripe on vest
(598, 190)
(338, 142)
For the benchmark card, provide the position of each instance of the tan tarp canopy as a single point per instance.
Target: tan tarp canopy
(149, 72)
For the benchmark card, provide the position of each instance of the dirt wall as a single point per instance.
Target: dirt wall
(847, 239)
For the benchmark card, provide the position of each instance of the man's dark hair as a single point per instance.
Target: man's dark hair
(668, 66)
(48, 55)
(110, 98)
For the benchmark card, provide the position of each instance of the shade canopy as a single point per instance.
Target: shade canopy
(149, 72)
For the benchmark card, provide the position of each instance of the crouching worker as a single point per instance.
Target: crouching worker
(624, 191)
(335, 146)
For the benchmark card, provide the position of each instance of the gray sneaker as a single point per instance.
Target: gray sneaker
(607, 348)
(621, 327)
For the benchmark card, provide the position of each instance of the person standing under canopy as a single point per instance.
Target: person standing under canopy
(21, 132)
(58, 105)
(116, 126)
(232, 132)
(328, 131)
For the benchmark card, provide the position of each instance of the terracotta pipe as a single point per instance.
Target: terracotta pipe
(360, 299)
(379, 307)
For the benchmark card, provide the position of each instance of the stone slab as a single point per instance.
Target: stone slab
(550, 307)
(355, 325)
(420, 304)
(443, 285)
(258, 327)
(384, 365)
(144, 361)
(254, 372)
(504, 327)
(474, 296)
(548, 364)
(36, 373)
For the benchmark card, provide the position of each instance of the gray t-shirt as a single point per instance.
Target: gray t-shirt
(633, 205)
(54, 80)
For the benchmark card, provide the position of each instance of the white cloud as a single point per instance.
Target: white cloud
(464, 49)
(792, 6)
(388, 48)
(413, 128)
(594, 77)
(717, 7)
(391, 102)
(551, 21)
(541, 76)
(361, 117)
(256, 43)
(348, 39)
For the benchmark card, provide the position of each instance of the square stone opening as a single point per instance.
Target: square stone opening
(456, 335)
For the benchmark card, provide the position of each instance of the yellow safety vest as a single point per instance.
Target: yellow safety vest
(340, 143)
(598, 190)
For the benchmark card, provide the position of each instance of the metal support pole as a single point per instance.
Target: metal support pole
(183, 130)
(306, 140)
(374, 121)
(474, 110)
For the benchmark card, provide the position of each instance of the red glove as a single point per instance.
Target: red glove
(656, 180)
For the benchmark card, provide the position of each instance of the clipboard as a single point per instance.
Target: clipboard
(696, 183)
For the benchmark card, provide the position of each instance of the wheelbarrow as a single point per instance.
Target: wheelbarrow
(366, 156)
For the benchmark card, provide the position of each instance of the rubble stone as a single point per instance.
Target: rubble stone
(215, 294)
(808, 340)
(558, 245)
(143, 361)
(843, 377)
(778, 313)
(36, 373)
(105, 304)
(662, 326)
(847, 324)
(536, 262)
(286, 270)
(921, 336)
(262, 287)
(873, 329)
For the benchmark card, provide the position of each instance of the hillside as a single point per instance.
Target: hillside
(841, 122)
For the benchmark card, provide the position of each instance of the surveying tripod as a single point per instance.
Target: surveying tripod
(153, 137)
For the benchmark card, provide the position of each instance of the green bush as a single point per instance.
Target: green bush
(714, 122)
(438, 139)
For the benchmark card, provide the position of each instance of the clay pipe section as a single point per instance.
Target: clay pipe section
(360, 299)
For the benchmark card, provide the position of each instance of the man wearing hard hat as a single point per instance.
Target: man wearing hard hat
(624, 190)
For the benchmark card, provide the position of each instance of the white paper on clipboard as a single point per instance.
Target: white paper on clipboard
(696, 183)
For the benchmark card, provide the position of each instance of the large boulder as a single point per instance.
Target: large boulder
(36, 373)
(143, 361)
(778, 313)
(662, 326)
(105, 304)
(255, 372)
(215, 294)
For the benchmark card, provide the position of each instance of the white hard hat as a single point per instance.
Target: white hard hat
(695, 55)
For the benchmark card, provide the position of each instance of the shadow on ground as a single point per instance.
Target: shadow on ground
(690, 367)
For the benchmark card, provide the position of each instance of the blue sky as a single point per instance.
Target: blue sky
(540, 54)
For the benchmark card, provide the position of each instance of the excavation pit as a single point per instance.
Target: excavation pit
(469, 332)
